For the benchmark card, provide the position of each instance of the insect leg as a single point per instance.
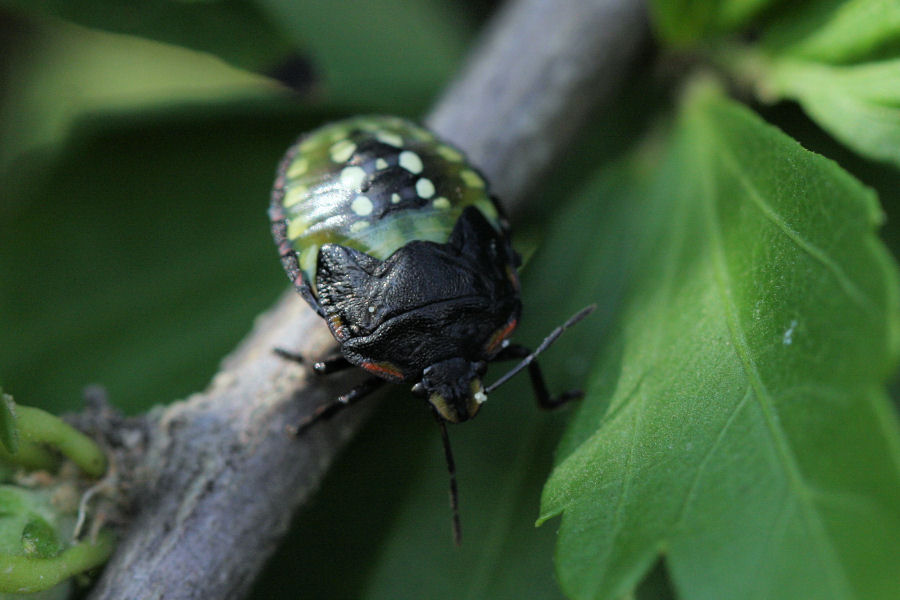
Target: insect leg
(332, 364)
(544, 399)
(288, 355)
(329, 365)
(326, 411)
(310, 298)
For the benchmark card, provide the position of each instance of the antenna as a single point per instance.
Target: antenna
(445, 438)
(544, 345)
(451, 469)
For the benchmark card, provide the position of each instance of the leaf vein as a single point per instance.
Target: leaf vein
(844, 281)
(831, 564)
(779, 528)
(692, 490)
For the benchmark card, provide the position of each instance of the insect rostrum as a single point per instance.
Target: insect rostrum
(394, 239)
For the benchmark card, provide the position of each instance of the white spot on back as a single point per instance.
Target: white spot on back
(309, 143)
(441, 203)
(380, 164)
(395, 198)
(371, 309)
(424, 188)
(352, 177)
(449, 153)
(359, 226)
(295, 228)
(472, 178)
(411, 162)
(294, 195)
(308, 258)
(342, 151)
(362, 206)
(391, 139)
(297, 168)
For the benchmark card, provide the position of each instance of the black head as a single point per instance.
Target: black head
(453, 387)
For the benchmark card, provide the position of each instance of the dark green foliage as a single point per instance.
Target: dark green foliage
(9, 435)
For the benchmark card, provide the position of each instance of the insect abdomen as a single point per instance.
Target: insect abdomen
(373, 184)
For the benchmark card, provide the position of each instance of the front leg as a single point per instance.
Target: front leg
(326, 411)
(541, 394)
(332, 364)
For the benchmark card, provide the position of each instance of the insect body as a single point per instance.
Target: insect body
(394, 239)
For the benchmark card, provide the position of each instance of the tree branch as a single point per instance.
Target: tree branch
(219, 478)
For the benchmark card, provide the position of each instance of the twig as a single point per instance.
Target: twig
(541, 66)
(220, 478)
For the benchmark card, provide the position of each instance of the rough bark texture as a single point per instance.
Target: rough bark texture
(220, 479)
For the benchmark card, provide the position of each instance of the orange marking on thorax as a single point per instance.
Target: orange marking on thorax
(500, 335)
(383, 369)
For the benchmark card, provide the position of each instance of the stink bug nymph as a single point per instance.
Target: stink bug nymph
(394, 239)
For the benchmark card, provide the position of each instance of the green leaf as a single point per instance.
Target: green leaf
(857, 104)
(9, 433)
(40, 540)
(839, 60)
(29, 521)
(683, 22)
(60, 73)
(24, 574)
(836, 31)
(127, 315)
(235, 30)
(34, 556)
(382, 53)
(748, 436)
(13, 501)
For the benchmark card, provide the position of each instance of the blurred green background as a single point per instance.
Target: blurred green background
(138, 142)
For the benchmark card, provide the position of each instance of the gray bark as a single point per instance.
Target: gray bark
(219, 479)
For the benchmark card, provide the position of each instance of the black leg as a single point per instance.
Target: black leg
(332, 364)
(308, 295)
(288, 355)
(326, 411)
(544, 399)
